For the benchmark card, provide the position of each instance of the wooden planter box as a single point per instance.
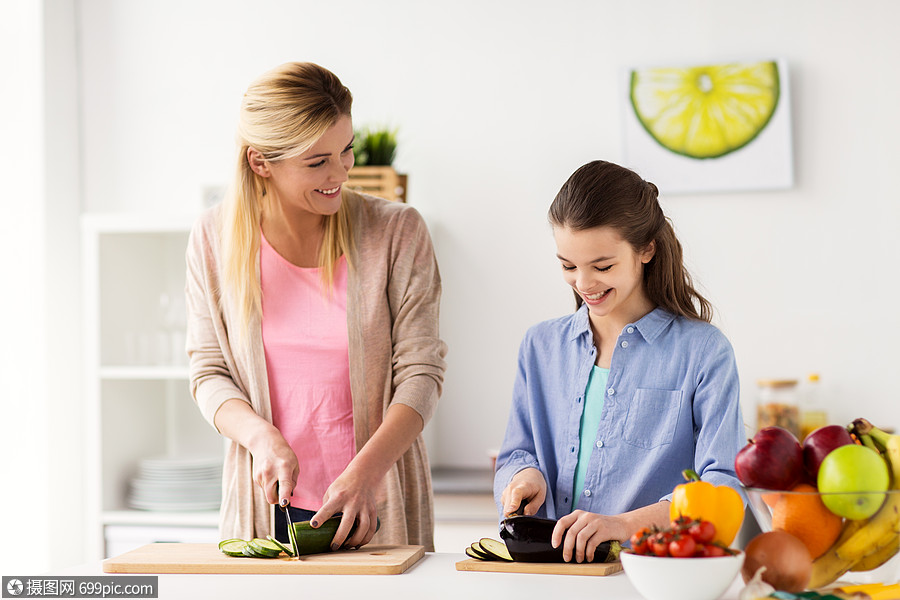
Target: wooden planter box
(384, 182)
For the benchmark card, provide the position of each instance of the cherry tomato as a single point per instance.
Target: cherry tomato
(640, 540)
(713, 550)
(682, 546)
(659, 544)
(702, 531)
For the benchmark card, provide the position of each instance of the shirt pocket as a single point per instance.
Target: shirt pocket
(651, 417)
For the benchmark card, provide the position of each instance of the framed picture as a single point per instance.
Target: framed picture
(710, 128)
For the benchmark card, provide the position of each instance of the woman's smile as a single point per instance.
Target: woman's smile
(332, 193)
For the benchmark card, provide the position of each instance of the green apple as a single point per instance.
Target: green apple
(845, 473)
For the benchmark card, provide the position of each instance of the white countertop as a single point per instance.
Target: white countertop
(434, 577)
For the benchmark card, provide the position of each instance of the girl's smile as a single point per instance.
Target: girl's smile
(605, 271)
(596, 298)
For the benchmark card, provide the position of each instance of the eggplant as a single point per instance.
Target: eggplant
(528, 540)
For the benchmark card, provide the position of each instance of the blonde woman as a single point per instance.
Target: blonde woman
(313, 327)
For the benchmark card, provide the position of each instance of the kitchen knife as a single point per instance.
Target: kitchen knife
(290, 525)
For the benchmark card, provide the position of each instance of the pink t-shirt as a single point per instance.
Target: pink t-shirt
(304, 330)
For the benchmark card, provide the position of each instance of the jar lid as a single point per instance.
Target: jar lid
(776, 383)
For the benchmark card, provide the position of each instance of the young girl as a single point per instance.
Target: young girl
(612, 402)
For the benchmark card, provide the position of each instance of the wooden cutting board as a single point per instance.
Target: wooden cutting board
(596, 569)
(206, 558)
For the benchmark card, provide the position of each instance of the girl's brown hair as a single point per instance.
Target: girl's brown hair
(283, 114)
(602, 194)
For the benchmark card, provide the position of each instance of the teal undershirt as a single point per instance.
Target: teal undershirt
(590, 422)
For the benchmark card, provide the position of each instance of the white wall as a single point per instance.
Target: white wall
(497, 103)
(23, 401)
(41, 424)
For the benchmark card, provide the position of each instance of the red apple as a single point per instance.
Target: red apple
(819, 443)
(772, 460)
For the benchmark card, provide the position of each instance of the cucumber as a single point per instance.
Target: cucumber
(233, 547)
(251, 553)
(223, 542)
(284, 548)
(265, 547)
(311, 540)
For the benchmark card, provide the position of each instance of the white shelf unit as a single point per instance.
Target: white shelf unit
(137, 396)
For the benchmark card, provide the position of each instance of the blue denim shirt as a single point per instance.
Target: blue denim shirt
(672, 403)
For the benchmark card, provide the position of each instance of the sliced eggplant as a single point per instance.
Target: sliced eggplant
(528, 540)
(477, 549)
(495, 549)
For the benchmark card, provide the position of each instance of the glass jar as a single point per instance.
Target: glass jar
(777, 405)
(812, 410)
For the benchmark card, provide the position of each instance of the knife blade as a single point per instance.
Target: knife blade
(291, 534)
(290, 526)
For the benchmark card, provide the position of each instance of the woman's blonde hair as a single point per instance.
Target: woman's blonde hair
(283, 114)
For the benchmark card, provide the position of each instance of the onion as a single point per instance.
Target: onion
(786, 559)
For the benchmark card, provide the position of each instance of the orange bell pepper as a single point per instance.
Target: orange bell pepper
(721, 505)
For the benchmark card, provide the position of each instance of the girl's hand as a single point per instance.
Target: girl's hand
(583, 532)
(275, 466)
(354, 497)
(527, 486)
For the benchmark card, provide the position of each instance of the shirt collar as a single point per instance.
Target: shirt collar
(650, 325)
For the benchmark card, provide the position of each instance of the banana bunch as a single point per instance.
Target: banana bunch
(867, 543)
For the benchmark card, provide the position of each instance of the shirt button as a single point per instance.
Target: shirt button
(624, 344)
(610, 392)
(587, 492)
(578, 399)
(630, 330)
(572, 449)
(599, 443)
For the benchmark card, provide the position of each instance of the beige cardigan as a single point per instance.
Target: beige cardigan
(396, 355)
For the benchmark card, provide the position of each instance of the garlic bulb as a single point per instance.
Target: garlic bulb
(756, 588)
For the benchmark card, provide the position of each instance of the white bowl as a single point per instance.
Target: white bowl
(667, 578)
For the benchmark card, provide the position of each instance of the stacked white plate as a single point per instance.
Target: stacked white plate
(177, 484)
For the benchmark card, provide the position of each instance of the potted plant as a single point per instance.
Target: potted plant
(373, 173)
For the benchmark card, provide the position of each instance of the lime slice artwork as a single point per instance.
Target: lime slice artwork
(705, 112)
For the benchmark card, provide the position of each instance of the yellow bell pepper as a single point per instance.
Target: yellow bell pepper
(721, 505)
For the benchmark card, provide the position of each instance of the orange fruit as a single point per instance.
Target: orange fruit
(771, 499)
(806, 517)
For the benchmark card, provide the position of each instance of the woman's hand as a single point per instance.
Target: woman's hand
(354, 497)
(583, 532)
(527, 486)
(275, 467)
(353, 492)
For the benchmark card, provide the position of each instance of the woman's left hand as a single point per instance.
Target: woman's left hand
(355, 498)
(583, 532)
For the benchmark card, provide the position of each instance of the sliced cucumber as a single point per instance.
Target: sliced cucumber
(495, 548)
(284, 548)
(233, 547)
(265, 547)
(223, 542)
